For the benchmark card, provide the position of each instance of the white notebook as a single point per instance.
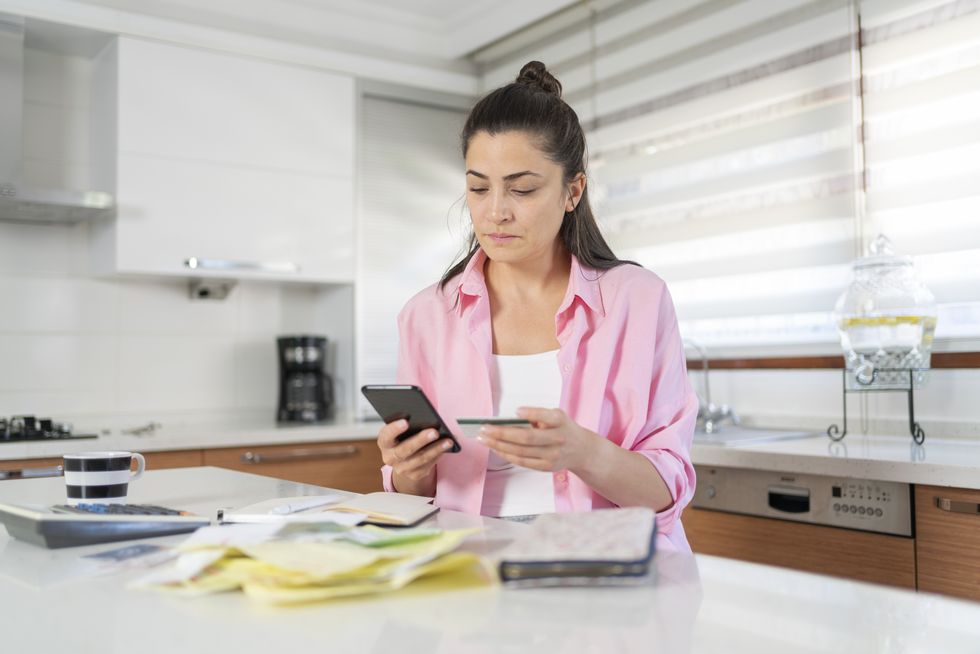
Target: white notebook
(389, 509)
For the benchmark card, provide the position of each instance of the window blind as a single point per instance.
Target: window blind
(409, 228)
(726, 151)
(921, 63)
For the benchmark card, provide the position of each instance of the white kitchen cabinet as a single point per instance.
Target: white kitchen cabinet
(170, 211)
(228, 161)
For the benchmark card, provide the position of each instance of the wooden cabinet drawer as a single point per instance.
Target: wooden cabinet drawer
(948, 540)
(49, 467)
(877, 558)
(173, 459)
(346, 465)
(22, 468)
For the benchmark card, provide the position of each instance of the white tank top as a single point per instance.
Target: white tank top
(520, 380)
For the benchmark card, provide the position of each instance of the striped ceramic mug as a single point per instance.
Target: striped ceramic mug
(101, 477)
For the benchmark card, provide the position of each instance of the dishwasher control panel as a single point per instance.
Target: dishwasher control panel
(880, 506)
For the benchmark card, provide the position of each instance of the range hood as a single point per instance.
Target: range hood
(18, 202)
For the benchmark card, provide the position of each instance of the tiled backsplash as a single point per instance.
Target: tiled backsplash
(74, 344)
(946, 406)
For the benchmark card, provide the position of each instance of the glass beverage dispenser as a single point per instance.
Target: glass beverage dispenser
(886, 319)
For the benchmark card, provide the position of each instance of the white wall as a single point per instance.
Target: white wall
(945, 407)
(411, 223)
(74, 346)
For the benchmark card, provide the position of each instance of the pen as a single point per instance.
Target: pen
(301, 505)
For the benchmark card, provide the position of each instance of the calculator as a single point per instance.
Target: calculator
(116, 509)
(65, 525)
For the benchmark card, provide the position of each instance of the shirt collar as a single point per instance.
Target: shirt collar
(472, 282)
(583, 283)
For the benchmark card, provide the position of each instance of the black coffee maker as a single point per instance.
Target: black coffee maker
(305, 388)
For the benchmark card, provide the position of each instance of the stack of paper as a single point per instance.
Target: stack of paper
(287, 564)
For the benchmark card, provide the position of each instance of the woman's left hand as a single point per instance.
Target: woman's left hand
(553, 442)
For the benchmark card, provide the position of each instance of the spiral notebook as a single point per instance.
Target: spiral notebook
(602, 547)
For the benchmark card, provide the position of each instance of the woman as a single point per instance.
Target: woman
(540, 319)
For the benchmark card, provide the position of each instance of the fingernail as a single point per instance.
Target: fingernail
(480, 438)
(447, 445)
(433, 435)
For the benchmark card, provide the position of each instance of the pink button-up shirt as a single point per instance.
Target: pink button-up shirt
(623, 371)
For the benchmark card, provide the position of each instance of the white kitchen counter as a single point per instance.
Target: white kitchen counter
(884, 458)
(694, 604)
(881, 458)
(229, 432)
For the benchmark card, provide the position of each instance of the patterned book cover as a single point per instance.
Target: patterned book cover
(605, 542)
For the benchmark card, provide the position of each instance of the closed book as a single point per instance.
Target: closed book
(606, 546)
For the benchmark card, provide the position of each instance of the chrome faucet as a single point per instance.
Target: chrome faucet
(710, 415)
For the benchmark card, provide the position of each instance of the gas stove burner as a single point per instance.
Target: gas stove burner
(31, 428)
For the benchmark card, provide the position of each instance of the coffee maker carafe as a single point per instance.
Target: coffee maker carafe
(305, 388)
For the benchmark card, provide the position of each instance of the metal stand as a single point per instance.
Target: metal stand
(918, 435)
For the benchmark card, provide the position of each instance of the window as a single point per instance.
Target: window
(921, 64)
(726, 151)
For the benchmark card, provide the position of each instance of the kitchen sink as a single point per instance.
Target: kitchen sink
(731, 436)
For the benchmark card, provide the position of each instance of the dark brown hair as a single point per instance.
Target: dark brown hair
(533, 104)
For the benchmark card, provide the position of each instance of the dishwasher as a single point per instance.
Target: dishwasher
(883, 507)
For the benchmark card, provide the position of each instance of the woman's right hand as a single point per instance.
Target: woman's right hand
(413, 460)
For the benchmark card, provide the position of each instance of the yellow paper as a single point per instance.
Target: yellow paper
(289, 572)
(444, 542)
(319, 560)
(456, 570)
(313, 565)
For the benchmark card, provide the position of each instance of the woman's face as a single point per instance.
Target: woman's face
(516, 196)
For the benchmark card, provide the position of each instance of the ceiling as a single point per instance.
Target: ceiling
(438, 30)
(419, 43)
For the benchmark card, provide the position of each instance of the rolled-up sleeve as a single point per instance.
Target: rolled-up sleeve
(666, 437)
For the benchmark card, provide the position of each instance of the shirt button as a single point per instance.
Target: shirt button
(566, 367)
(561, 477)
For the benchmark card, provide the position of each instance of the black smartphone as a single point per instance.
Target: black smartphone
(401, 401)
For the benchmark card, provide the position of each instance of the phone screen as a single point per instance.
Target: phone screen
(397, 402)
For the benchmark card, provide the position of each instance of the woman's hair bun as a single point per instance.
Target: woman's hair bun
(536, 75)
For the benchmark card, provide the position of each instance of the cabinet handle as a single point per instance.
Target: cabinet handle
(957, 506)
(31, 473)
(196, 263)
(338, 452)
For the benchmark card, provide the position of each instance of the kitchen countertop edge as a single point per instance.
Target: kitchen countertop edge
(881, 458)
(195, 438)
